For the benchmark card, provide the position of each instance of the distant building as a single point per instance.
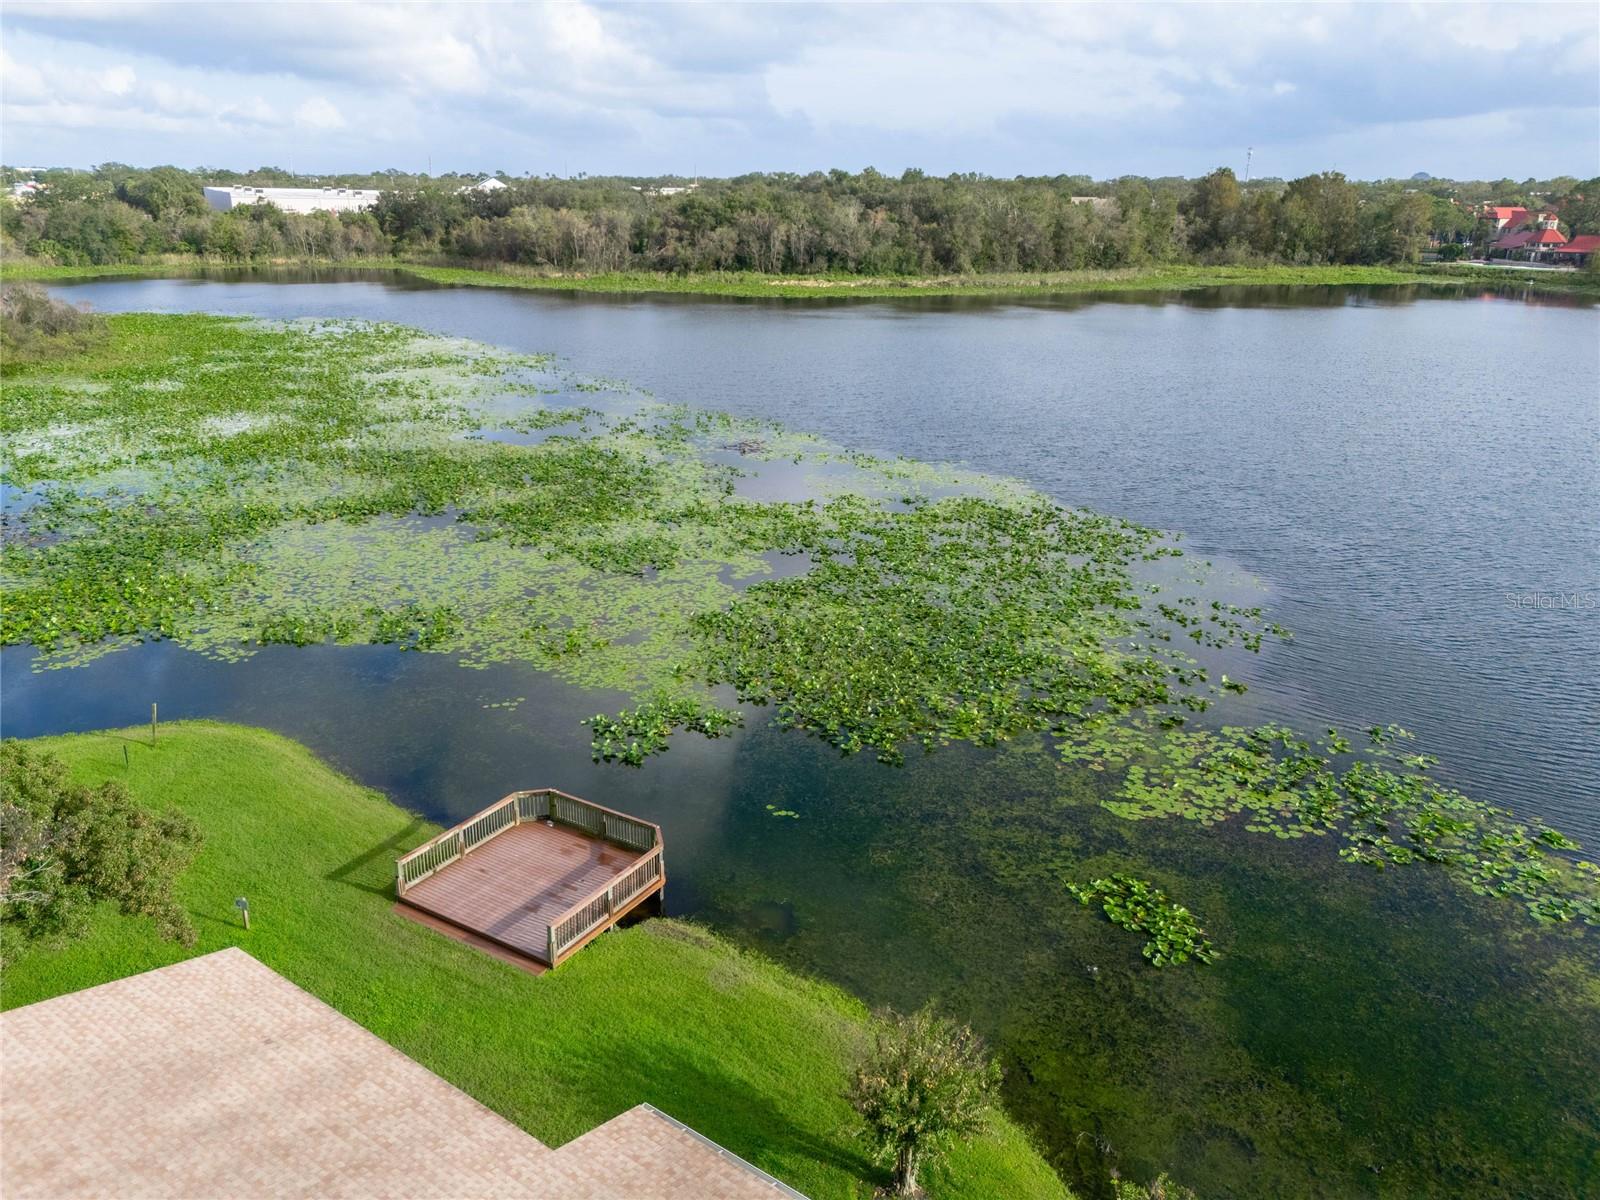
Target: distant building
(491, 184)
(1523, 235)
(1508, 218)
(666, 191)
(295, 200)
(1577, 252)
(26, 189)
(1530, 245)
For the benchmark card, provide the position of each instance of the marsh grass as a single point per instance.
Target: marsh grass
(1163, 278)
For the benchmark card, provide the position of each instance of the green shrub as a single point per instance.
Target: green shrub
(35, 326)
(65, 847)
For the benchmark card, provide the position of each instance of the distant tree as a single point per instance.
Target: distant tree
(66, 187)
(1212, 210)
(66, 847)
(1325, 227)
(1579, 207)
(865, 222)
(163, 191)
(1402, 227)
(1450, 222)
(927, 1082)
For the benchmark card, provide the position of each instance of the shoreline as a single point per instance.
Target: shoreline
(813, 287)
(314, 851)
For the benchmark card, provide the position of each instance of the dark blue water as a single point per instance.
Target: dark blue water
(1415, 480)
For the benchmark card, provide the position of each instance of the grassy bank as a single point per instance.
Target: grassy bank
(1067, 283)
(1168, 278)
(749, 1054)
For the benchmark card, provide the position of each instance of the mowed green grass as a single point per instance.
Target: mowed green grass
(748, 1053)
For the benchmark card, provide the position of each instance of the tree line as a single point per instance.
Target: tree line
(832, 222)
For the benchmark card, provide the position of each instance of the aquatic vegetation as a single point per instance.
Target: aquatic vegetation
(635, 733)
(961, 619)
(232, 484)
(1140, 907)
(1378, 799)
(292, 484)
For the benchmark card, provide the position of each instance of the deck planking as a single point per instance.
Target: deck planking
(512, 887)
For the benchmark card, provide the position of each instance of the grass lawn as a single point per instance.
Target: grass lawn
(748, 1053)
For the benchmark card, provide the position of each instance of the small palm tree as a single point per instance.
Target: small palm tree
(927, 1082)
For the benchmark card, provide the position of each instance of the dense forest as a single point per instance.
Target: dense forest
(833, 222)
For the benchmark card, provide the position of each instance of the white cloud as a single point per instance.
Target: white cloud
(1100, 88)
(319, 113)
(118, 81)
(952, 76)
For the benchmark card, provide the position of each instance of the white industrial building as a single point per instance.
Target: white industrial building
(295, 200)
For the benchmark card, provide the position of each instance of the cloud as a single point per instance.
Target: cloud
(118, 81)
(1102, 89)
(318, 113)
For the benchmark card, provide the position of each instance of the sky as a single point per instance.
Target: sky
(1375, 90)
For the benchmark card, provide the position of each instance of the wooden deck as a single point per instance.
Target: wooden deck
(539, 873)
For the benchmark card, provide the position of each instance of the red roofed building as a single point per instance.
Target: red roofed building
(1505, 216)
(1576, 252)
(1528, 237)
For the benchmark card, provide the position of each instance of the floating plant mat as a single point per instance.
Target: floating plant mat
(231, 484)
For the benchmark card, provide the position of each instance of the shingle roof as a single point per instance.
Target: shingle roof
(217, 1077)
(1517, 240)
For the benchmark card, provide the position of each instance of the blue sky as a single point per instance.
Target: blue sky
(1374, 90)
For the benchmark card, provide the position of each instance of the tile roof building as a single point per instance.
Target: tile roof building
(1523, 234)
(1577, 251)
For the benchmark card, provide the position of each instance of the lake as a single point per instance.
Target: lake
(1408, 482)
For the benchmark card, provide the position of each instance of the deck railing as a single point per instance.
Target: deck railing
(593, 911)
(538, 805)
